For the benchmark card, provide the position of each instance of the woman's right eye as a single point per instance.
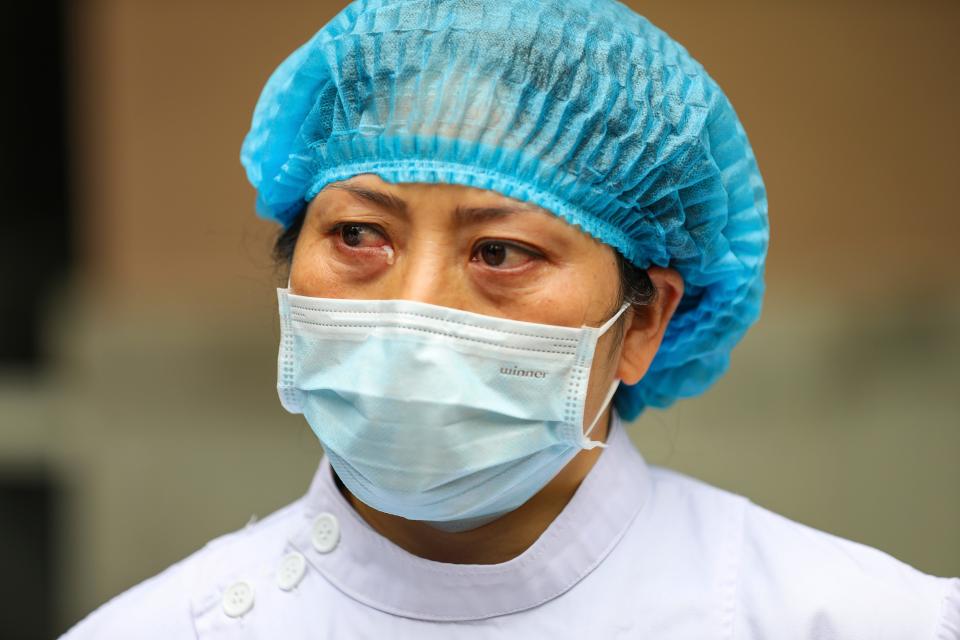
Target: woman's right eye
(357, 235)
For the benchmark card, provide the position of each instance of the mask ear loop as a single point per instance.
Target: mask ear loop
(602, 329)
(587, 443)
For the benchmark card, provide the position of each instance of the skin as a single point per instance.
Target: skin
(480, 251)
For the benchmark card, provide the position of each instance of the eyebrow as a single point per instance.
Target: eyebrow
(467, 216)
(464, 215)
(379, 198)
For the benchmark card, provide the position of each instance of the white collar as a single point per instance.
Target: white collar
(371, 569)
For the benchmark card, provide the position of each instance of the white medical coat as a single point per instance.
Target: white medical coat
(639, 552)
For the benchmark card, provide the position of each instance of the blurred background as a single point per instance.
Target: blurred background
(138, 331)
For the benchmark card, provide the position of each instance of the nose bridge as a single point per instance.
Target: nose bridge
(430, 273)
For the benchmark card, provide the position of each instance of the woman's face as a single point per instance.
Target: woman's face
(466, 248)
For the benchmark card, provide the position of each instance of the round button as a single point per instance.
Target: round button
(291, 571)
(238, 599)
(326, 532)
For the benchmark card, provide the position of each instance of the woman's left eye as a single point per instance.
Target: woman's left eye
(503, 255)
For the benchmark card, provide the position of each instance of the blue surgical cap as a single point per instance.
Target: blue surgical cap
(582, 107)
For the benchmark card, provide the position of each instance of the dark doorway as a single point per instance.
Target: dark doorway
(26, 557)
(35, 232)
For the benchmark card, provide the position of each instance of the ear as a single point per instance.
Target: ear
(646, 327)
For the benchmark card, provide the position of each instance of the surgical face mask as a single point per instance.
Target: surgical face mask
(432, 413)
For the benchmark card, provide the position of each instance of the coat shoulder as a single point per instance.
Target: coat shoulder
(819, 585)
(792, 581)
(167, 604)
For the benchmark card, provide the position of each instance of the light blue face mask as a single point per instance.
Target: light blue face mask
(433, 413)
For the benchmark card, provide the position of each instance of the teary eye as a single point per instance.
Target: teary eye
(358, 235)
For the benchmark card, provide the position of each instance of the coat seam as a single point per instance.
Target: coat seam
(734, 570)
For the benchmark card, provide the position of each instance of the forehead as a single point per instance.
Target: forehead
(427, 192)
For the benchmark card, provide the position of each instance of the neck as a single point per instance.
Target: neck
(498, 541)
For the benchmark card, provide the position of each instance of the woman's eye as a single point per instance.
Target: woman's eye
(358, 235)
(503, 255)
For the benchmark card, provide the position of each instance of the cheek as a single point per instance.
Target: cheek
(558, 296)
(320, 270)
(310, 273)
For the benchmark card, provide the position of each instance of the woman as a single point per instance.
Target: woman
(511, 224)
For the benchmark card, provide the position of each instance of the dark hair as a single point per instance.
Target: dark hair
(286, 242)
(635, 285)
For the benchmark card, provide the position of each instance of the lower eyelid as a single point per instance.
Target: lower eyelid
(518, 270)
(375, 250)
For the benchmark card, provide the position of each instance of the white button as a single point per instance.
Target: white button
(291, 571)
(238, 599)
(326, 532)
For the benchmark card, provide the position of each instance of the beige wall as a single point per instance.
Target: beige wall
(840, 409)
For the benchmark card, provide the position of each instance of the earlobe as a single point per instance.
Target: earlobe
(645, 332)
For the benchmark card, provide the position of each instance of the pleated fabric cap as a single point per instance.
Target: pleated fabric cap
(582, 107)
